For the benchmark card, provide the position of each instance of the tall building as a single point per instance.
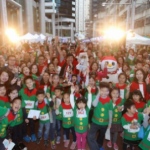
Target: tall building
(80, 16)
(128, 14)
(96, 9)
(49, 17)
(65, 18)
(10, 17)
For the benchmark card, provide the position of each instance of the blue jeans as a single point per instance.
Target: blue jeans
(92, 133)
(58, 127)
(46, 132)
(53, 127)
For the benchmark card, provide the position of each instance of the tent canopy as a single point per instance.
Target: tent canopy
(137, 39)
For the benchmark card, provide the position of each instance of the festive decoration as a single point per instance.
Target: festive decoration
(82, 63)
(112, 67)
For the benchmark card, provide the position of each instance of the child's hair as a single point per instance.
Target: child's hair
(92, 75)
(113, 89)
(138, 62)
(3, 85)
(74, 75)
(123, 75)
(16, 98)
(104, 85)
(59, 88)
(12, 88)
(66, 93)
(81, 100)
(28, 77)
(128, 104)
(41, 56)
(79, 85)
(40, 92)
(55, 75)
(138, 92)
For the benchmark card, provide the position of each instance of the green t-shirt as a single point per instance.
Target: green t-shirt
(131, 134)
(101, 113)
(80, 120)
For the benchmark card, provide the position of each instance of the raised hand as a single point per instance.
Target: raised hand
(89, 89)
(72, 89)
(128, 87)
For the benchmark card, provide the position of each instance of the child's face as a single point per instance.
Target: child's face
(81, 105)
(16, 105)
(57, 93)
(13, 94)
(40, 97)
(136, 98)
(29, 83)
(41, 60)
(132, 109)
(51, 67)
(94, 67)
(55, 61)
(125, 68)
(139, 66)
(91, 82)
(46, 76)
(120, 60)
(55, 79)
(4, 77)
(104, 92)
(77, 89)
(146, 67)
(66, 99)
(34, 69)
(26, 71)
(115, 94)
(2, 91)
(122, 79)
(74, 79)
(139, 75)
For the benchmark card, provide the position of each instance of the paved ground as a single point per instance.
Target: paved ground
(34, 146)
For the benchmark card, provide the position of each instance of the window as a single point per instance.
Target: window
(147, 21)
(139, 23)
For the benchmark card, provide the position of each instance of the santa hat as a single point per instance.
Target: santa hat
(108, 58)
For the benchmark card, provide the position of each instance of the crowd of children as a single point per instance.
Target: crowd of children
(46, 78)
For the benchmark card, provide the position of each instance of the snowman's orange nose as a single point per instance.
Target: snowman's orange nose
(109, 65)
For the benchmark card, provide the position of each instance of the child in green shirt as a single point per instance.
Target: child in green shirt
(44, 120)
(81, 109)
(28, 96)
(7, 117)
(131, 121)
(116, 127)
(66, 112)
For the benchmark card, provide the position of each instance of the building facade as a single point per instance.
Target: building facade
(65, 18)
(88, 18)
(127, 14)
(10, 17)
(49, 17)
(80, 16)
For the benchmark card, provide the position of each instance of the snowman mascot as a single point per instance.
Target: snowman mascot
(112, 68)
